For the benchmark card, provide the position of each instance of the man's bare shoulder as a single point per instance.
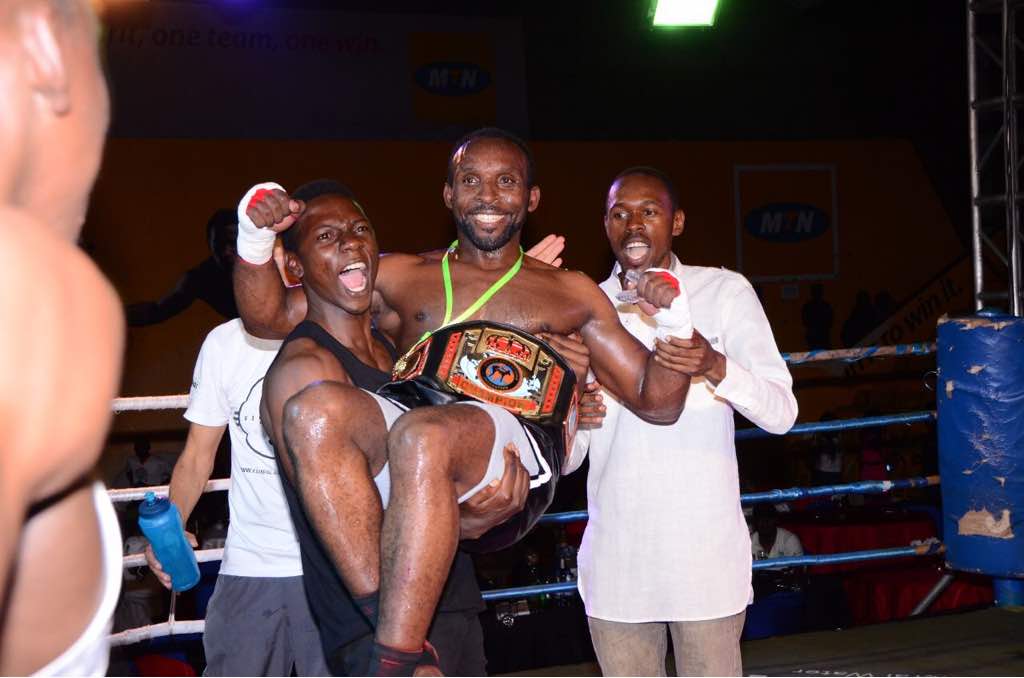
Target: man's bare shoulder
(300, 363)
(61, 352)
(402, 259)
(576, 282)
(50, 285)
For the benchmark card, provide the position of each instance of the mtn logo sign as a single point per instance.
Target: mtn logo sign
(452, 78)
(786, 222)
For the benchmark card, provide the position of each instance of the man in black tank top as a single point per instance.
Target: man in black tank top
(346, 633)
(331, 435)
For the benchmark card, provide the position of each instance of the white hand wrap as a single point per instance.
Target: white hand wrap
(674, 321)
(255, 245)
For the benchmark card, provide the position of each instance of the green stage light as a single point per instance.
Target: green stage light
(685, 12)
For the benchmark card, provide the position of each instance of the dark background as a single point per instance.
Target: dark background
(767, 70)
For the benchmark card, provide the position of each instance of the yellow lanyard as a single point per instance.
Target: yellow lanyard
(483, 298)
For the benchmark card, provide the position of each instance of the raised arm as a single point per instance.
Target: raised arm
(171, 304)
(268, 309)
(634, 375)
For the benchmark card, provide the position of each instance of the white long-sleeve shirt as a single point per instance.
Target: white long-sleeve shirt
(786, 544)
(666, 539)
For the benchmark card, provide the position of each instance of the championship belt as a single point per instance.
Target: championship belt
(493, 363)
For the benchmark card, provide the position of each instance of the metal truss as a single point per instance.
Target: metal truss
(995, 94)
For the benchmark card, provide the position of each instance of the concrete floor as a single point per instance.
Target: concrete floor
(981, 643)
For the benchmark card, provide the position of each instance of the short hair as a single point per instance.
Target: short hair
(765, 510)
(654, 173)
(492, 133)
(307, 193)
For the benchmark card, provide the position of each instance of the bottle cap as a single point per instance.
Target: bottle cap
(153, 505)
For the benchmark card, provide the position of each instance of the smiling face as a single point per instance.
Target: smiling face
(336, 253)
(490, 195)
(640, 222)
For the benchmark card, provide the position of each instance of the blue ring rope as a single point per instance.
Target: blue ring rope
(860, 487)
(863, 487)
(792, 561)
(852, 355)
(842, 424)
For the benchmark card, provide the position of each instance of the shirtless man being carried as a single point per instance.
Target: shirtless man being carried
(438, 456)
(60, 349)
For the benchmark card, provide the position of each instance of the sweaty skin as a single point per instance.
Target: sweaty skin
(489, 182)
(332, 436)
(60, 350)
(435, 452)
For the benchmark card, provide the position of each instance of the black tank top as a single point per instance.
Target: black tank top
(337, 616)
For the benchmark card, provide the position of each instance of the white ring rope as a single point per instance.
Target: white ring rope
(140, 404)
(205, 556)
(171, 627)
(161, 630)
(139, 493)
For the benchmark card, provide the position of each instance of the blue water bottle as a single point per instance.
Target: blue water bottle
(161, 523)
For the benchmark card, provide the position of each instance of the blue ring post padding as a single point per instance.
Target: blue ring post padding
(980, 397)
(792, 561)
(1008, 592)
(861, 487)
(841, 425)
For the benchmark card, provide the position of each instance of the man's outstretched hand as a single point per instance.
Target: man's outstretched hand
(498, 501)
(548, 250)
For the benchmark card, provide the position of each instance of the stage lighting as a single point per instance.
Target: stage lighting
(684, 12)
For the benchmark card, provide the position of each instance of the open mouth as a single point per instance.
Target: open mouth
(354, 277)
(636, 251)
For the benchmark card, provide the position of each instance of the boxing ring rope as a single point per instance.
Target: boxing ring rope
(203, 556)
(771, 496)
(852, 355)
(139, 493)
(929, 549)
(841, 425)
(174, 627)
(145, 403)
(848, 355)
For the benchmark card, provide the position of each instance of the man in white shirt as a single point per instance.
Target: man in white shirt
(258, 622)
(768, 540)
(666, 546)
(144, 469)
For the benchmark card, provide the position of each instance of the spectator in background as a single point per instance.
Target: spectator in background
(884, 307)
(768, 540)
(209, 281)
(862, 320)
(258, 622)
(817, 318)
(144, 469)
(215, 535)
(828, 457)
